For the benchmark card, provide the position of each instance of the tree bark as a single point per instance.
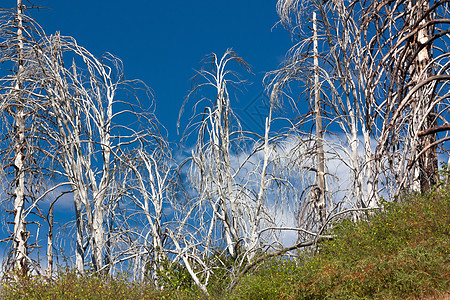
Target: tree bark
(320, 176)
(21, 234)
(50, 243)
(425, 171)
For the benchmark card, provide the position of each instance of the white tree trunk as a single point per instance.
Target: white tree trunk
(79, 251)
(256, 218)
(320, 176)
(20, 234)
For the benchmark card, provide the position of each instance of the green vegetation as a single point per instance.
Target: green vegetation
(402, 252)
(70, 286)
(399, 253)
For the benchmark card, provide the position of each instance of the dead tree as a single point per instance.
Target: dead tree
(243, 182)
(411, 62)
(212, 171)
(320, 176)
(327, 67)
(21, 234)
(21, 105)
(147, 181)
(68, 108)
(384, 79)
(86, 137)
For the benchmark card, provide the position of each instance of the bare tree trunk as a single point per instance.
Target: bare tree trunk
(98, 235)
(79, 252)
(20, 232)
(50, 242)
(100, 192)
(221, 150)
(257, 216)
(320, 176)
(425, 171)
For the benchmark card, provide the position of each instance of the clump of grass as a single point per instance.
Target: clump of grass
(402, 252)
(70, 286)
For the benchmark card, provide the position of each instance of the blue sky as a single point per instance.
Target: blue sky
(163, 42)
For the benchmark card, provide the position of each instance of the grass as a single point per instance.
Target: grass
(402, 252)
(71, 286)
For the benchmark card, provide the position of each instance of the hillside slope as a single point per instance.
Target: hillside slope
(402, 252)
